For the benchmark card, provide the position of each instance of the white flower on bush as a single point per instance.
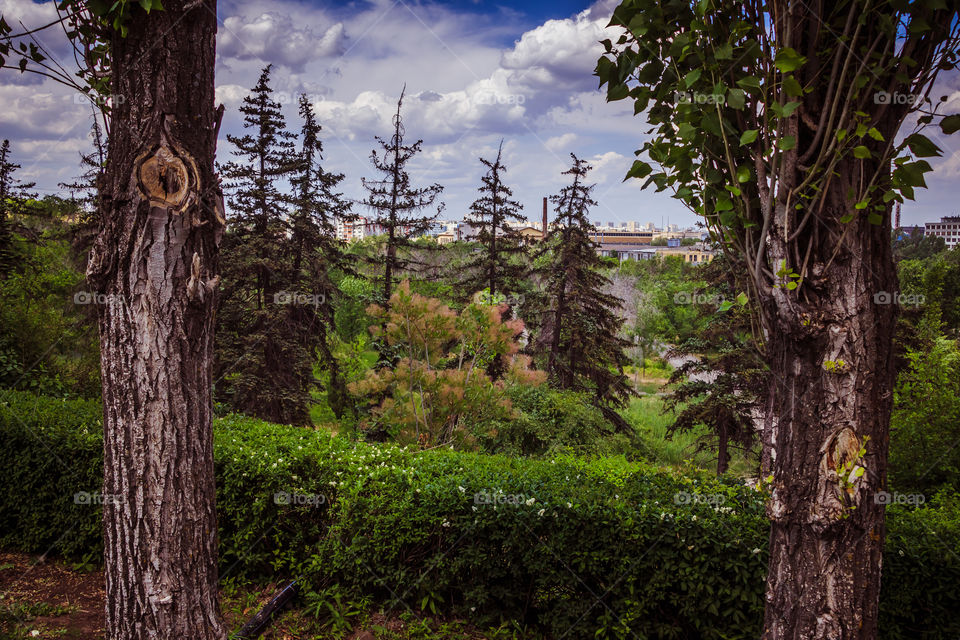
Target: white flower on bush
(540, 513)
(461, 489)
(531, 501)
(755, 551)
(445, 523)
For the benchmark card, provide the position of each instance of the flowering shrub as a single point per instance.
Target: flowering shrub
(448, 374)
(576, 548)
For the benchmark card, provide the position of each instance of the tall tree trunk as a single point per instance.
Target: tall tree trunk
(723, 454)
(156, 258)
(832, 341)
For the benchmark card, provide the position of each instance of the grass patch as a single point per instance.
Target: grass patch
(677, 450)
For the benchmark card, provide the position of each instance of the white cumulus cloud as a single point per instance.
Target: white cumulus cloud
(273, 37)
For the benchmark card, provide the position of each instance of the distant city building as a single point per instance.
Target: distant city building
(613, 238)
(357, 229)
(948, 228)
(360, 228)
(910, 232)
(697, 254)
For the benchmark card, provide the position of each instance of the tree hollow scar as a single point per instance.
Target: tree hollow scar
(167, 177)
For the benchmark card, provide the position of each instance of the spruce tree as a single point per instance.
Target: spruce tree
(316, 251)
(84, 189)
(397, 206)
(723, 381)
(264, 359)
(498, 267)
(579, 332)
(15, 197)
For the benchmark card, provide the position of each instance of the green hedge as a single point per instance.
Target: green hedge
(573, 547)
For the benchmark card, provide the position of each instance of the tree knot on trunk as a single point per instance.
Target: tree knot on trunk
(167, 175)
(840, 478)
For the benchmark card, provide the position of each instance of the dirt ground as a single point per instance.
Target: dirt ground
(30, 580)
(53, 600)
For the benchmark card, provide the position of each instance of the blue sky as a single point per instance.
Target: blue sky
(475, 72)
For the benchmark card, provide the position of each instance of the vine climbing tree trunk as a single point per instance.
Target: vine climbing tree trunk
(156, 261)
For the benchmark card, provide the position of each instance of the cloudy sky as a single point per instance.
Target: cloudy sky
(475, 73)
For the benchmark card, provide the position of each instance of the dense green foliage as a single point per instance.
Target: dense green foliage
(580, 330)
(401, 211)
(498, 267)
(925, 425)
(587, 548)
(722, 382)
(439, 392)
(48, 329)
(668, 286)
(267, 332)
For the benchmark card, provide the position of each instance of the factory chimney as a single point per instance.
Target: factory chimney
(544, 217)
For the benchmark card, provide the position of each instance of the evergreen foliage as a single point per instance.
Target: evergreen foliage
(579, 325)
(396, 204)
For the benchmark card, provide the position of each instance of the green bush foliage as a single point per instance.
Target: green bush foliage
(48, 337)
(549, 420)
(925, 424)
(582, 549)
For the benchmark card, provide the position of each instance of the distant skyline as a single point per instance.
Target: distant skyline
(475, 73)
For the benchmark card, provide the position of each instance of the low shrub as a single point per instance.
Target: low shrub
(603, 548)
(548, 420)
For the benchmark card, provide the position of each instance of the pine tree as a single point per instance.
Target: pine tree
(723, 380)
(14, 200)
(84, 190)
(579, 326)
(264, 357)
(498, 266)
(316, 250)
(396, 204)
(257, 205)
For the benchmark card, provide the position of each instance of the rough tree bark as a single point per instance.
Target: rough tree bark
(831, 343)
(156, 259)
(831, 339)
(825, 563)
